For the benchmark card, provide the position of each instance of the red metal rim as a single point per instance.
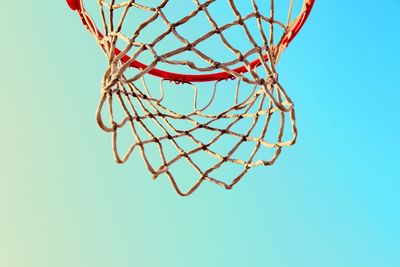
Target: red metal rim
(77, 5)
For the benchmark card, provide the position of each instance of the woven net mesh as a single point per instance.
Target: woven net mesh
(194, 132)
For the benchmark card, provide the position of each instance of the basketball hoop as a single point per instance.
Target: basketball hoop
(205, 47)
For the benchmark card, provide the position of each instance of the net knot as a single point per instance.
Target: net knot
(202, 7)
(189, 46)
(216, 64)
(114, 126)
(160, 59)
(158, 9)
(272, 78)
(217, 31)
(173, 26)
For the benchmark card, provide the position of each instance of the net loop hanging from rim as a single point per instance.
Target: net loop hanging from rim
(166, 137)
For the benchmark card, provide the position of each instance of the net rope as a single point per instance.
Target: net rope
(152, 122)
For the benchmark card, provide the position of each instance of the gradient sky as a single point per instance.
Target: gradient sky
(331, 200)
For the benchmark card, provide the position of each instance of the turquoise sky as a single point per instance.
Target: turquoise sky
(331, 200)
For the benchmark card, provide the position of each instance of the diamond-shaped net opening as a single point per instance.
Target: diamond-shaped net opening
(192, 131)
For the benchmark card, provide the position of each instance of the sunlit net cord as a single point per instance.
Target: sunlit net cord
(140, 108)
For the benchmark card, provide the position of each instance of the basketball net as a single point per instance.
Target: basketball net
(244, 121)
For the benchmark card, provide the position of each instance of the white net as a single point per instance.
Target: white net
(193, 132)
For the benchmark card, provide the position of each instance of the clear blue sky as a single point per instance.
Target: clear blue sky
(331, 200)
